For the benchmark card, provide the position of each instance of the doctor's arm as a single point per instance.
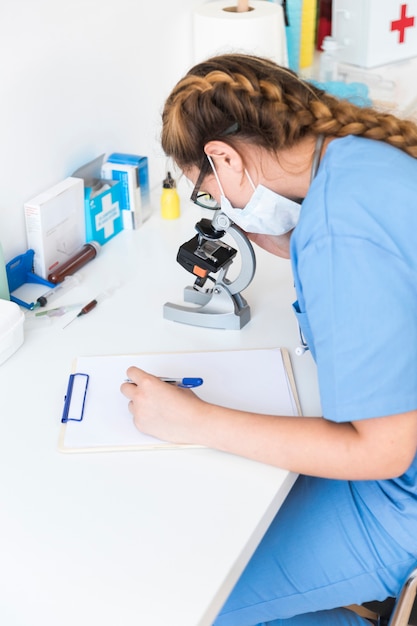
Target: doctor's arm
(377, 448)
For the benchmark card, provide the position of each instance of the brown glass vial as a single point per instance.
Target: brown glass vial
(88, 252)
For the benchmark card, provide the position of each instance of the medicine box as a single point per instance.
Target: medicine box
(370, 33)
(11, 329)
(131, 203)
(102, 202)
(103, 213)
(141, 164)
(55, 224)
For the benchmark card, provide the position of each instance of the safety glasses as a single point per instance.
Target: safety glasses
(202, 198)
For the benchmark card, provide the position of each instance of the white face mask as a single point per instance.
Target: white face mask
(267, 212)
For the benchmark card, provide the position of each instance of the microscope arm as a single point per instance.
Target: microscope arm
(248, 260)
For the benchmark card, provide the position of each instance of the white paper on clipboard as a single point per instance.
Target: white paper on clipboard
(257, 380)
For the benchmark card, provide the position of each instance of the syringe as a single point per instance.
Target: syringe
(59, 290)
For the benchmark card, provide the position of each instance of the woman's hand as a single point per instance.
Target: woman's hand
(160, 409)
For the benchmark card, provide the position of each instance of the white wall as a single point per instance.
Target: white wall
(79, 78)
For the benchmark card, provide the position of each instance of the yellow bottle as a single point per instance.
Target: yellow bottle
(308, 32)
(170, 200)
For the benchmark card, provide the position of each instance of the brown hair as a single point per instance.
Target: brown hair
(267, 105)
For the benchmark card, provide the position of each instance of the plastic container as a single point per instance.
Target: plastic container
(11, 329)
(328, 70)
(170, 200)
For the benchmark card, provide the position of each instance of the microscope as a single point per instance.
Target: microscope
(215, 301)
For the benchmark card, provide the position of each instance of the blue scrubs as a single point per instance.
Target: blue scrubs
(354, 258)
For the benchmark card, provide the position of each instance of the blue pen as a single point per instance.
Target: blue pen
(186, 383)
(183, 382)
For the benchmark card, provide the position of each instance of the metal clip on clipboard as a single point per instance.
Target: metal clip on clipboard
(75, 397)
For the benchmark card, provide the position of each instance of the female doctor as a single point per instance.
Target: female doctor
(333, 187)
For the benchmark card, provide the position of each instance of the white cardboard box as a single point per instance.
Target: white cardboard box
(374, 32)
(55, 225)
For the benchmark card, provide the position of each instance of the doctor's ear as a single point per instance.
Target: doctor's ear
(224, 155)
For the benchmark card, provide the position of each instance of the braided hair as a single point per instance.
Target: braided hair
(268, 106)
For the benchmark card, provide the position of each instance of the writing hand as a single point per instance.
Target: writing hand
(165, 411)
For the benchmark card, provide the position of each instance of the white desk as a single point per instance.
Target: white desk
(131, 538)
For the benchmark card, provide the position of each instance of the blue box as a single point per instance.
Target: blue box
(141, 163)
(103, 215)
(102, 203)
(131, 197)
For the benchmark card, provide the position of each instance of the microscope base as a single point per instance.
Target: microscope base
(218, 309)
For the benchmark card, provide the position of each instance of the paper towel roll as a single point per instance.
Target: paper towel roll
(220, 29)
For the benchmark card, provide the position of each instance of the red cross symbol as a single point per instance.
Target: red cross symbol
(403, 23)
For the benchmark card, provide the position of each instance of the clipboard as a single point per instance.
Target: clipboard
(95, 417)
